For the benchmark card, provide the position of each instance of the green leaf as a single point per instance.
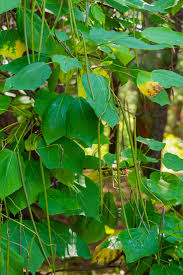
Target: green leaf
(54, 120)
(8, 5)
(9, 173)
(89, 229)
(110, 211)
(4, 103)
(81, 199)
(122, 53)
(159, 269)
(157, 6)
(134, 43)
(141, 267)
(163, 35)
(97, 13)
(34, 186)
(87, 194)
(59, 201)
(66, 63)
(173, 226)
(110, 159)
(18, 64)
(152, 143)
(166, 186)
(36, 258)
(82, 121)
(100, 99)
(117, 4)
(53, 80)
(15, 260)
(173, 162)
(50, 154)
(102, 36)
(54, 5)
(167, 79)
(141, 245)
(73, 155)
(29, 78)
(67, 242)
(64, 176)
(162, 98)
(49, 45)
(62, 36)
(91, 162)
(43, 100)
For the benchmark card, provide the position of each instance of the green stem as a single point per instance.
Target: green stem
(74, 20)
(119, 181)
(47, 214)
(58, 15)
(7, 20)
(87, 67)
(29, 255)
(32, 28)
(29, 207)
(25, 33)
(42, 29)
(8, 243)
(134, 24)
(72, 27)
(134, 159)
(135, 150)
(100, 168)
(1, 223)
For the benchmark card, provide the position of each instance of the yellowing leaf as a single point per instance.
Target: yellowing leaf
(94, 176)
(14, 51)
(81, 89)
(11, 44)
(109, 230)
(101, 71)
(65, 77)
(106, 255)
(147, 86)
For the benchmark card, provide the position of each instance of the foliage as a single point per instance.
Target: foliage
(57, 80)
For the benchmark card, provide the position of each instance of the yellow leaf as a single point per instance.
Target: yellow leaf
(101, 71)
(106, 255)
(81, 89)
(109, 230)
(13, 51)
(147, 86)
(94, 176)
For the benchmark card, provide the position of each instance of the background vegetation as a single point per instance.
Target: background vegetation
(91, 136)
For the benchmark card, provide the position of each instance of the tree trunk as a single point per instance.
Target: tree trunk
(153, 121)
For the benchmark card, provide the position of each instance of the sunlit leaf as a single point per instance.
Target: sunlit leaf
(173, 162)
